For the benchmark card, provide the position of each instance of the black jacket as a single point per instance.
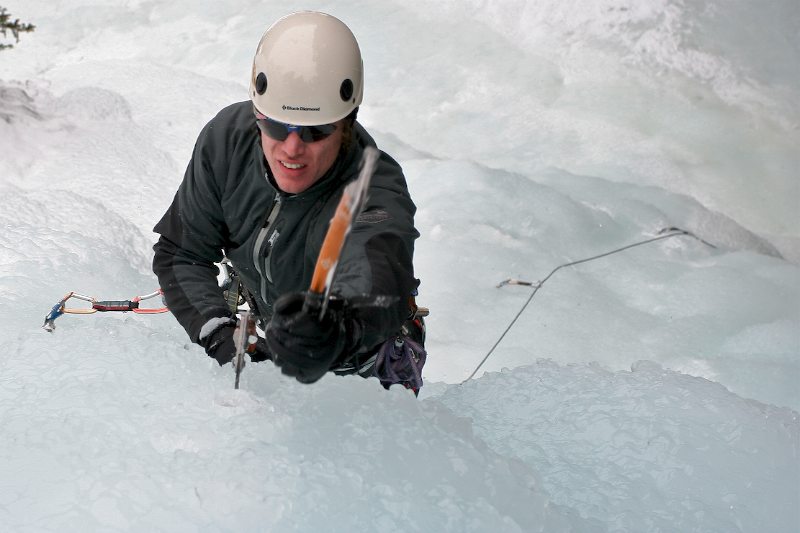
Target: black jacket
(228, 203)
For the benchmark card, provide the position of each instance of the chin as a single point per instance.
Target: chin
(291, 186)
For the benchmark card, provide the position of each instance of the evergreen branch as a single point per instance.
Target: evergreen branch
(15, 27)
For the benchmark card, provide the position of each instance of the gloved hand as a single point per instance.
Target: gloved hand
(261, 353)
(303, 346)
(221, 346)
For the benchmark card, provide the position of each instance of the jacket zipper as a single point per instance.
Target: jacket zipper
(266, 230)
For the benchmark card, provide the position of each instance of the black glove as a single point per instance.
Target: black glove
(261, 353)
(220, 346)
(303, 345)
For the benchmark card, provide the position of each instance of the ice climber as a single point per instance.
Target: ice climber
(262, 184)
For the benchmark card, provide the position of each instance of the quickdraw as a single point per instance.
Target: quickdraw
(102, 306)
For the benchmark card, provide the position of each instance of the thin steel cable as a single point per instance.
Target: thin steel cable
(675, 232)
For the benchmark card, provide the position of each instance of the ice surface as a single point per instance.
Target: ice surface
(652, 390)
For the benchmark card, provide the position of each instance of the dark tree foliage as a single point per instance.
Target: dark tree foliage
(14, 26)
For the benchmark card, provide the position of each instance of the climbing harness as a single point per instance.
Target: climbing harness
(665, 233)
(101, 306)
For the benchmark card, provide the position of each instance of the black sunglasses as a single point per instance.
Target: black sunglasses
(280, 131)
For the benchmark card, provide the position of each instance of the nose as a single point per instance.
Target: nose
(293, 145)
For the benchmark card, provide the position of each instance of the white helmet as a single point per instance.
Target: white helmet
(307, 70)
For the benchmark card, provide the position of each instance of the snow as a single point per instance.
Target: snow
(651, 390)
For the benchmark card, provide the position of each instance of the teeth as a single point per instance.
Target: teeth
(293, 166)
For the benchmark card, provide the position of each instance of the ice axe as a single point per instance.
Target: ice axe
(350, 206)
(245, 339)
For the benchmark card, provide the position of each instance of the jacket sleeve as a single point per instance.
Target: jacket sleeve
(377, 260)
(192, 238)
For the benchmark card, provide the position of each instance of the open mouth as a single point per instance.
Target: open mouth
(292, 166)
